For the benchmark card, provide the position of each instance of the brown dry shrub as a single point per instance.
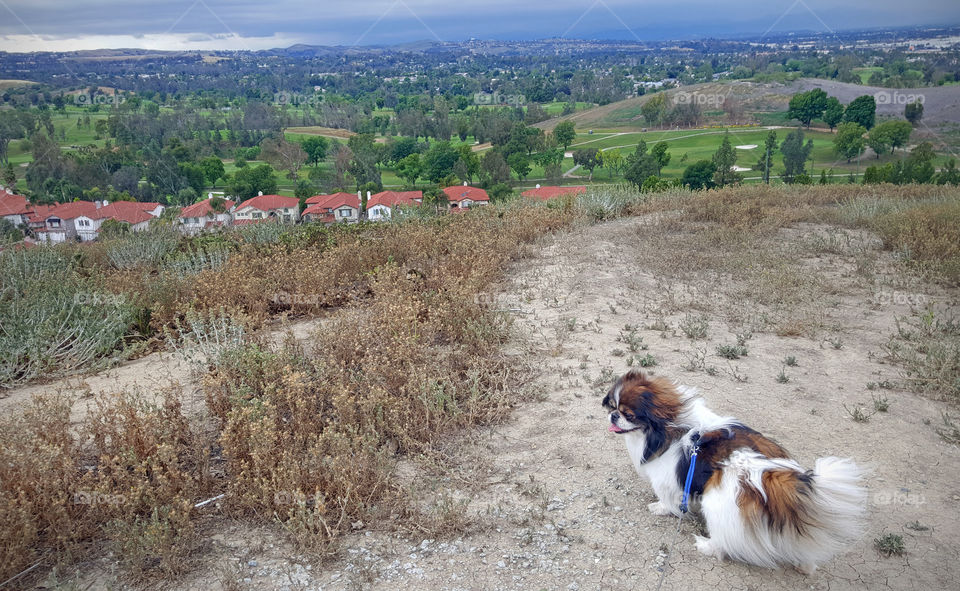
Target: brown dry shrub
(928, 235)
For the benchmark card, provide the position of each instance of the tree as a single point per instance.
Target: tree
(316, 147)
(833, 113)
(641, 165)
(112, 228)
(283, 155)
(586, 158)
(918, 166)
(213, 170)
(9, 175)
(438, 162)
(410, 168)
(724, 159)
(655, 109)
(862, 110)
(879, 139)
(849, 142)
(807, 106)
(9, 232)
(795, 154)
(699, 175)
(765, 165)
(520, 164)
(913, 112)
(899, 133)
(494, 168)
(249, 181)
(660, 155)
(565, 133)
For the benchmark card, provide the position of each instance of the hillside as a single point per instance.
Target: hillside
(513, 480)
(941, 104)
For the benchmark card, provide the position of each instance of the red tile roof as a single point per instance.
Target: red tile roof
(130, 212)
(270, 202)
(335, 197)
(40, 213)
(458, 193)
(545, 193)
(74, 209)
(13, 204)
(202, 208)
(391, 198)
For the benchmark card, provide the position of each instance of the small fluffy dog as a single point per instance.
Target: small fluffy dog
(760, 506)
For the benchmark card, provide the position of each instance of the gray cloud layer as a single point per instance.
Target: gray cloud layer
(343, 22)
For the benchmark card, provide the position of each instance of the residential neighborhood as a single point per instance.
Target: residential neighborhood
(81, 221)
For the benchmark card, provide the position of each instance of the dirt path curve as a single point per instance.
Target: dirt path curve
(556, 502)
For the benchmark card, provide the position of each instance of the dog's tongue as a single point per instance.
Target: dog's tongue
(615, 429)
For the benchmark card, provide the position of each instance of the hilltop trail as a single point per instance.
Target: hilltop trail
(554, 499)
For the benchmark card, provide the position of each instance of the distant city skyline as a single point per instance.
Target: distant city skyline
(58, 25)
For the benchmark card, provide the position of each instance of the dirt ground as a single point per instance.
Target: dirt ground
(550, 498)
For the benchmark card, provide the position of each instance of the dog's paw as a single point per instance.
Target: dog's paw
(807, 568)
(659, 508)
(705, 546)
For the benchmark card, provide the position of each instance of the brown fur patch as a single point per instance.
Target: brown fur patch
(654, 397)
(786, 501)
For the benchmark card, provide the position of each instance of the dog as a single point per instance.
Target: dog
(760, 506)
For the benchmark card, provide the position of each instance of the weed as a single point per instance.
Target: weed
(695, 327)
(731, 351)
(880, 404)
(950, 432)
(857, 413)
(890, 545)
(617, 353)
(646, 361)
(917, 526)
(633, 340)
(782, 377)
(790, 361)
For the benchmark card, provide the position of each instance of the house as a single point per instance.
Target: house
(550, 192)
(60, 222)
(130, 212)
(261, 207)
(37, 219)
(338, 207)
(381, 205)
(201, 216)
(81, 220)
(14, 208)
(465, 197)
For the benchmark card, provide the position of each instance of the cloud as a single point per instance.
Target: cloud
(344, 22)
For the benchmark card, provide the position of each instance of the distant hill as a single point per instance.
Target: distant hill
(941, 103)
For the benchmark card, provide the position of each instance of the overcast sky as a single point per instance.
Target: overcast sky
(57, 25)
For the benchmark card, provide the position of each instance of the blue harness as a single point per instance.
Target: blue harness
(686, 486)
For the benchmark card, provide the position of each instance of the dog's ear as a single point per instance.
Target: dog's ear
(608, 401)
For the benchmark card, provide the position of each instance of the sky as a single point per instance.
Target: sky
(64, 25)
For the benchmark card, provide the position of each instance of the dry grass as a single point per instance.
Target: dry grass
(307, 442)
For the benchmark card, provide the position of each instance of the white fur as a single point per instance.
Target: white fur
(836, 504)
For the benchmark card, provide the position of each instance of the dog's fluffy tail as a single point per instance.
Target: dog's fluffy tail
(834, 512)
(786, 515)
